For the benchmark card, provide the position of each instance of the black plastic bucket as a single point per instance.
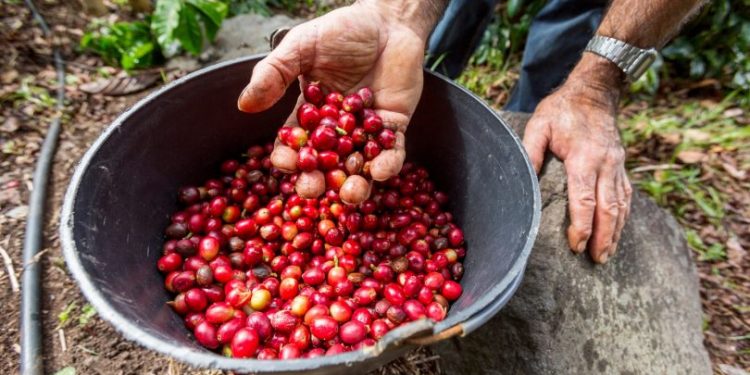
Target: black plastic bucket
(124, 188)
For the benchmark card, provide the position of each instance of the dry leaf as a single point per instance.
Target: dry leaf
(672, 138)
(735, 252)
(691, 156)
(733, 171)
(9, 76)
(697, 135)
(121, 85)
(731, 370)
(10, 125)
(733, 112)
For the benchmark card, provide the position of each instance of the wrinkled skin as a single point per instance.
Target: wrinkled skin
(347, 49)
(577, 123)
(365, 45)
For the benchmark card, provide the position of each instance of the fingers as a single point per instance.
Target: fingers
(535, 140)
(581, 202)
(273, 75)
(355, 190)
(284, 158)
(310, 184)
(606, 215)
(624, 193)
(389, 162)
(393, 120)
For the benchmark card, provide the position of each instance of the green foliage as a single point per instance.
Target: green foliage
(186, 23)
(70, 370)
(506, 35)
(716, 44)
(87, 312)
(28, 93)
(174, 25)
(691, 190)
(126, 44)
(714, 252)
(64, 315)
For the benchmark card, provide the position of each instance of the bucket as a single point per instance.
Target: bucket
(123, 190)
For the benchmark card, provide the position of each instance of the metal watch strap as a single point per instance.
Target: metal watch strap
(632, 60)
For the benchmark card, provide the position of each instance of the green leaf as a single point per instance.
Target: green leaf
(64, 316)
(138, 56)
(216, 11)
(70, 370)
(188, 31)
(87, 312)
(164, 23)
(514, 6)
(208, 25)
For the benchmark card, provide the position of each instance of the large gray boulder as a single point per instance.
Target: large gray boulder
(638, 314)
(247, 34)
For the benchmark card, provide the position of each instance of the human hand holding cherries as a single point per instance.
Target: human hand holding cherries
(380, 58)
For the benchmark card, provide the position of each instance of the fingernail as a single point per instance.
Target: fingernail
(603, 258)
(612, 250)
(581, 246)
(245, 90)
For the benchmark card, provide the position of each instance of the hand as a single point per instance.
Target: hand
(369, 43)
(578, 124)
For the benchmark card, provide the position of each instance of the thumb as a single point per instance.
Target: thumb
(272, 76)
(535, 141)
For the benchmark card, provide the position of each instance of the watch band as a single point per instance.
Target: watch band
(632, 60)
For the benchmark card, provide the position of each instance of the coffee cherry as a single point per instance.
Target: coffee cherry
(352, 103)
(245, 343)
(313, 94)
(451, 290)
(261, 270)
(324, 327)
(352, 332)
(308, 116)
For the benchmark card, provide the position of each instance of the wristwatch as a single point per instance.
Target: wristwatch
(632, 60)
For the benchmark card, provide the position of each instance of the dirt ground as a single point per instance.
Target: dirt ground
(87, 343)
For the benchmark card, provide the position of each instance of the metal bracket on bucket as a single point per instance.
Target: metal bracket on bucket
(419, 332)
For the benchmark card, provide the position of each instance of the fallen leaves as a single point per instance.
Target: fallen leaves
(692, 156)
(122, 84)
(694, 159)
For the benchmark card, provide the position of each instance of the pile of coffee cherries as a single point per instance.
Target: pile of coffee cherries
(337, 135)
(259, 272)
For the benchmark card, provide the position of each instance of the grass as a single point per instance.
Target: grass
(691, 138)
(71, 311)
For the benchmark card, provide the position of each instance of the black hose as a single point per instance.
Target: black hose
(31, 324)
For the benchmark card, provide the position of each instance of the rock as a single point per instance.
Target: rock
(247, 34)
(638, 314)
(184, 63)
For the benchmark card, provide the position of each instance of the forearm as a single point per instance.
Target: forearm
(419, 15)
(644, 24)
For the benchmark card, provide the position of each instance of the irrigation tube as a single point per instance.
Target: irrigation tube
(31, 325)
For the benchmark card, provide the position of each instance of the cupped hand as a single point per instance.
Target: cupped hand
(577, 123)
(361, 45)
